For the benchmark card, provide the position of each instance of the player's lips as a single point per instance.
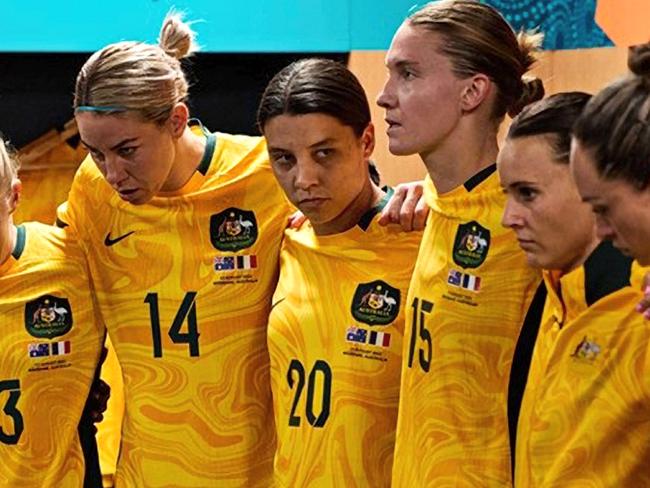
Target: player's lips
(311, 202)
(526, 244)
(392, 124)
(127, 193)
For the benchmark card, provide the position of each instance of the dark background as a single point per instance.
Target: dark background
(36, 89)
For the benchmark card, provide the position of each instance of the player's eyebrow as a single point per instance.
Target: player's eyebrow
(114, 147)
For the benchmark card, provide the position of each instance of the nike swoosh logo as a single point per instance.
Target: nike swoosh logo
(108, 242)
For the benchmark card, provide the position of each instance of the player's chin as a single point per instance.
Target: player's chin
(534, 260)
(399, 148)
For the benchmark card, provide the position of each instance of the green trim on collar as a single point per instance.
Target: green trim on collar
(20, 242)
(366, 218)
(210, 144)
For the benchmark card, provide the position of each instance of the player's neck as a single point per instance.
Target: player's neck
(189, 152)
(582, 255)
(369, 196)
(463, 154)
(8, 241)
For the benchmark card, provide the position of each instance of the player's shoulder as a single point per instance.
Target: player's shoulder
(89, 180)
(48, 245)
(237, 151)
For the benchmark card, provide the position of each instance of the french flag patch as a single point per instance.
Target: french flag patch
(381, 339)
(60, 348)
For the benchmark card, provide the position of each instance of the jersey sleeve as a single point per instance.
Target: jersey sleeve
(72, 213)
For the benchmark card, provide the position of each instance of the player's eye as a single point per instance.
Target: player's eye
(324, 153)
(96, 155)
(407, 73)
(126, 151)
(282, 159)
(600, 210)
(526, 193)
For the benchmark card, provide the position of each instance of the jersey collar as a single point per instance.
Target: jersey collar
(17, 251)
(366, 218)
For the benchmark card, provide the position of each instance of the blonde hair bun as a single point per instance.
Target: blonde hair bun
(177, 38)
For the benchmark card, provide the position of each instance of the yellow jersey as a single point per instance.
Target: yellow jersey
(49, 349)
(585, 416)
(467, 301)
(184, 283)
(335, 341)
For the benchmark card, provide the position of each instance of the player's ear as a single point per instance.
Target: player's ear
(14, 197)
(178, 118)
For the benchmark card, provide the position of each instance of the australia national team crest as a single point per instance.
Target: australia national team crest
(375, 303)
(48, 316)
(233, 229)
(587, 350)
(471, 245)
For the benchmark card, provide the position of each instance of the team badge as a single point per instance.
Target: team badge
(375, 303)
(48, 316)
(233, 229)
(471, 245)
(587, 350)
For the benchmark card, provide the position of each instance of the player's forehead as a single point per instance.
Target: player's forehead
(413, 45)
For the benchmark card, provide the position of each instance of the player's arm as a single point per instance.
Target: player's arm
(94, 409)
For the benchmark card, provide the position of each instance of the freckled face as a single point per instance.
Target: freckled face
(135, 157)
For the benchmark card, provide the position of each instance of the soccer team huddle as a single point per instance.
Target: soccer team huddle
(486, 327)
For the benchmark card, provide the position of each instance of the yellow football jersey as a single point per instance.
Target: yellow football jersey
(184, 283)
(585, 416)
(49, 349)
(466, 304)
(335, 340)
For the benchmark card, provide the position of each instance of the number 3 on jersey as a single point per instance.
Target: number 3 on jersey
(421, 308)
(186, 312)
(10, 409)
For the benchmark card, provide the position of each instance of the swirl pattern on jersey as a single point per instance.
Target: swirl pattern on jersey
(585, 417)
(52, 389)
(186, 298)
(310, 336)
(459, 343)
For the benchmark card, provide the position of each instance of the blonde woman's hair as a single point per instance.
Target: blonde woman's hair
(8, 166)
(477, 39)
(134, 76)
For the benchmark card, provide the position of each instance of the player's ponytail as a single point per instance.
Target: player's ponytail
(531, 87)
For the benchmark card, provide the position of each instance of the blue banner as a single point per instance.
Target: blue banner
(265, 25)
